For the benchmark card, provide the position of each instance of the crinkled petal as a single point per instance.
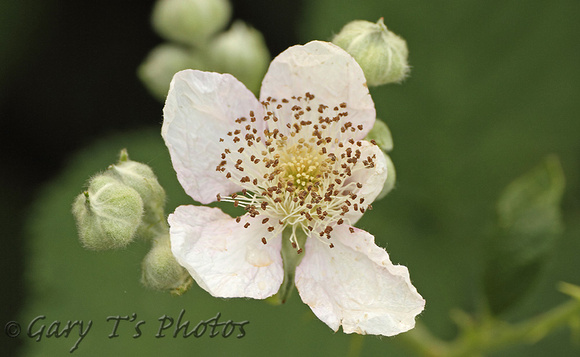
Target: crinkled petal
(327, 72)
(222, 256)
(201, 108)
(355, 285)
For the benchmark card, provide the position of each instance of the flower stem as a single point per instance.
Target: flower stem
(490, 334)
(291, 260)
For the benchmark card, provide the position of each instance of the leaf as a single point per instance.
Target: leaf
(529, 223)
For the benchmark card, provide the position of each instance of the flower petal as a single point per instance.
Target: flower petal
(372, 178)
(222, 256)
(201, 108)
(326, 71)
(355, 285)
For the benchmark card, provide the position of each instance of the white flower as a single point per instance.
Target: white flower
(296, 161)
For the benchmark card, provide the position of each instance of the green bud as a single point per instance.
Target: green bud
(381, 54)
(107, 214)
(242, 52)
(141, 178)
(160, 270)
(381, 135)
(190, 22)
(391, 178)
(162, 63)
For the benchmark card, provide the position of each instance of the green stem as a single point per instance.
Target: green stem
(291, 259)
(491, 334)
(355, 348)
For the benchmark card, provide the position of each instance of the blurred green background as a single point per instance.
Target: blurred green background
(494, 88)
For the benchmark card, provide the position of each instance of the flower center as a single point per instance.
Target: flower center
(302, 166)
(300, 172)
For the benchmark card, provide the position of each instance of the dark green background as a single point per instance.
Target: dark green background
(493, 89)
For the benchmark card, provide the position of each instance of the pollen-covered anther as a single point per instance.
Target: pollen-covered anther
(297, 170)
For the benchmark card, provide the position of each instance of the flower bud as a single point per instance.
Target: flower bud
(381, 135)
(141, 178)
(190, 22)
(162, 63)
(160, 270)
(107, 214)
(391, 178)
(242, 52)
(381, 54)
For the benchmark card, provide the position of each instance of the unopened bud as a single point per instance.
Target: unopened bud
(381, 135)
(242, 52)
(190, 22)
(141, 178)
(381, 54)
(107, 214)
(160, 270)
(391, 178)
(162, 63)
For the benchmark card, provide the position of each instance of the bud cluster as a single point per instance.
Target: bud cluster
(193, 29)
(121, 204)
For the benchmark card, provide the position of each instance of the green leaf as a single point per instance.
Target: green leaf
(529, 223)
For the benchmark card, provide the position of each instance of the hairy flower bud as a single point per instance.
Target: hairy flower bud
(141, 178)
(190, 22)
(381, 135)
(107, 214)
(160, 270)
(381, 54)
(391, 178)
(162, 63)
(241, 51)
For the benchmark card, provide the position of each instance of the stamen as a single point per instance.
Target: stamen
(298, 170)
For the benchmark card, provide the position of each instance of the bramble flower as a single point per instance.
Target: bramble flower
(297, 163)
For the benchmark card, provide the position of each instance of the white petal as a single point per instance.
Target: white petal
(326, 71)
(222, 256)
(372, 179)
(200, 109)
(355, 285)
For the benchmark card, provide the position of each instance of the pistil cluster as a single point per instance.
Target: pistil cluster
(298, 166)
